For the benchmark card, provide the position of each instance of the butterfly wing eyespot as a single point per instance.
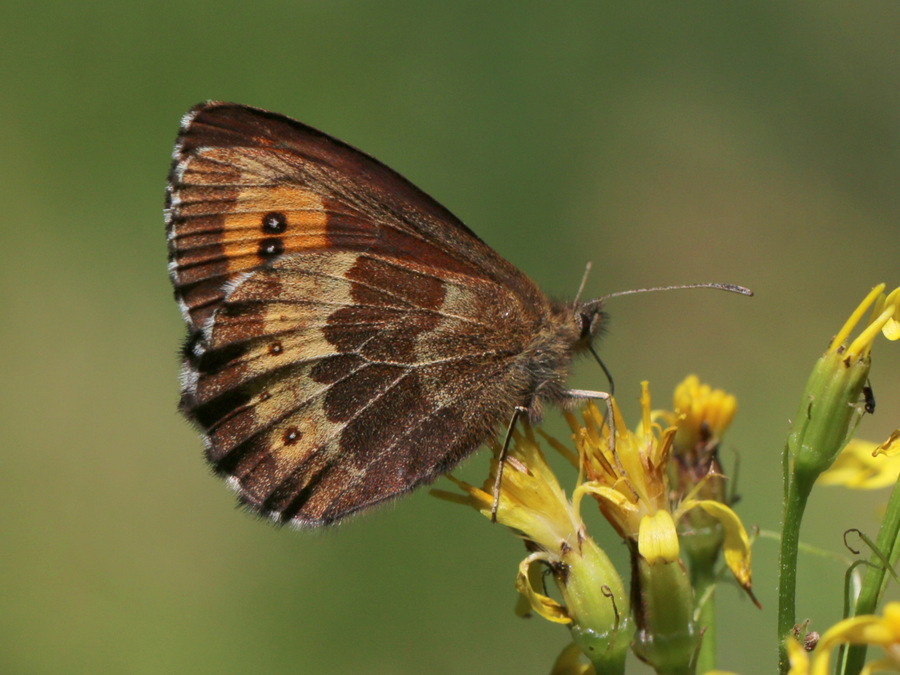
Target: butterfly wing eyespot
(344, 337)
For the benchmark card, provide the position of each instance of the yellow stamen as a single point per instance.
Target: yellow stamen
(863, 342)
(850, 324)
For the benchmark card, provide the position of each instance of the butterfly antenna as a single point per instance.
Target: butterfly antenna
(731, 288)
(584, 278)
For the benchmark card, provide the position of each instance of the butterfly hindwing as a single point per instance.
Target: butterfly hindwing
(324, 388)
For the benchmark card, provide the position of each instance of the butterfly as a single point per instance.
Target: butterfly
(349, 339)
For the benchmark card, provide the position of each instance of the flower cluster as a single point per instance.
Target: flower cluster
(869, 629)
(627, 473)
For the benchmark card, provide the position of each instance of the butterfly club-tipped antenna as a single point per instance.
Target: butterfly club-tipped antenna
(731, 288)
(593, 306)
(591, 310)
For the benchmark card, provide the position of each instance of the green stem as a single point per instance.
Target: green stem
(874, 579)
(796, 494)
(703, 579)
(827, 414)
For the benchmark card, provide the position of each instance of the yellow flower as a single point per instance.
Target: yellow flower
(830, 410)
(627, 473)
(701, 414)
(891, 447)
(798, 657)
(860, 466)
(868, 629)
(629, 479)
(531, 503)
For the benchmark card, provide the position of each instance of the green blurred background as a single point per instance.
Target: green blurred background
(754, 143)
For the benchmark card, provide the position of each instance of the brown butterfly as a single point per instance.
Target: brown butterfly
(348, 338)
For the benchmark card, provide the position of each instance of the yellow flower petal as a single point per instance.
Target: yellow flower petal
(850, 324)
(866, 629)
(635, 465)
(531, 503)
(544, 605)
(736, 547)
(881, 666)
(891, 329)
(612, 496)
(569, 662)
(860, 465)
(798, 657)
(658, 538)
(701, 409)
(870, 629)
(884, 319)
(891, 447)
(892, 618)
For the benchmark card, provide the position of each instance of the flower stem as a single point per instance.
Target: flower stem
(703, 579)
(796, 494)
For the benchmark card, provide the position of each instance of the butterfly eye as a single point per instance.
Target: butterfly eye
(590, 317)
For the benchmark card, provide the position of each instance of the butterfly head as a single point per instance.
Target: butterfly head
(591, 320)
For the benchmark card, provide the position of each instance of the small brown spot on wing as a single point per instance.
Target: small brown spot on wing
(291, 435)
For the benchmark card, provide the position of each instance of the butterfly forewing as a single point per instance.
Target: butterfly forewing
(248, 185)
(349, 338)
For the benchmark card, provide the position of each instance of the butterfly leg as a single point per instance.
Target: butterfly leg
(501, 459)
(607, 399)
